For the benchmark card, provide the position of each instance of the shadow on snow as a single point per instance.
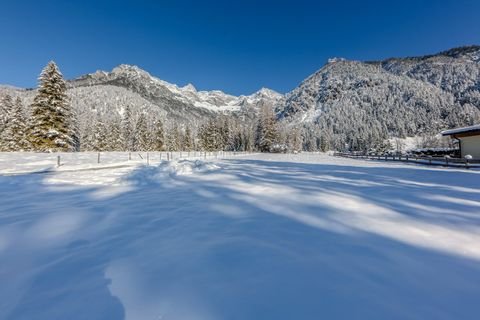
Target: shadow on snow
(254, 240)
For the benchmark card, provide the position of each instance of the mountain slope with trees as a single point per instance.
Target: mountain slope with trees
(345, 105)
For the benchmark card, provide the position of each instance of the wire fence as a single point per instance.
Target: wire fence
(133, 158)
(425, 160)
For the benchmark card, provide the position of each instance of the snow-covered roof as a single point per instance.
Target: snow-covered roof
(461, 130)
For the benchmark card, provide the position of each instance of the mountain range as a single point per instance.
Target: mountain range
(351, 99)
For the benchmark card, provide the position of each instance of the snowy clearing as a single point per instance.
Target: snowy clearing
(305, 236)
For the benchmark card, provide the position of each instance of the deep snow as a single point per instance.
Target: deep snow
(304, 236)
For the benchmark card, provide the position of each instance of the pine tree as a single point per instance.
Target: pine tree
(6, 104)
(187, 139)
(267, 133)
(141, 134)
(295, 140)
(114, 138)
(99, 138)
(172, 139)
(127, 130)
(52, 126)
(158, 138)
(14, 135)
(210, 137)
(6, 107)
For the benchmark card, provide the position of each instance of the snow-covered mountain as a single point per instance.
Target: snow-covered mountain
(345, 102)
(107, 94)
(170, 96)
(401, 96)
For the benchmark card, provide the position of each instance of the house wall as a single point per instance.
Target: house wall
(471, 146)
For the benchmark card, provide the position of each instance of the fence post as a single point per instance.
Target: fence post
(129, 156)
(98, 158)
(58, 161)
(205, 155)
(160, 157)
(168, 156)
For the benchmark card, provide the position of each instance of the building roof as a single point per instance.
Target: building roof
(471, 129)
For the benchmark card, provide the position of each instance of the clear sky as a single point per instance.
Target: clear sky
(234, 46)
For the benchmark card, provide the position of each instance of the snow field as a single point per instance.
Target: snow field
(264, 236)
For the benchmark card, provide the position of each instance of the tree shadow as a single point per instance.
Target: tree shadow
(255, 239)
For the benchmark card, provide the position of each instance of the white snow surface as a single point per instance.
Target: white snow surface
(305, 236)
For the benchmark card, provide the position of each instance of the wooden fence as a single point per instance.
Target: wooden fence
(426, 160)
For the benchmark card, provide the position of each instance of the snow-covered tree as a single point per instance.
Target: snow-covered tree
(141, 135)
(6, 105)
(210, 136)
(52, 125)
(114, 137)
(99, 138)
(158, 136)
(187, 140)
(267, 133)
(14, 135)
(172, 141)
(127, 134)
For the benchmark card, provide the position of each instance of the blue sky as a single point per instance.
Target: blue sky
(234, 46)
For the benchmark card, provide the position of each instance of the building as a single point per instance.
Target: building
(469, 140)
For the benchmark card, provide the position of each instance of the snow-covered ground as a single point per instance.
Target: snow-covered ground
(305, 236)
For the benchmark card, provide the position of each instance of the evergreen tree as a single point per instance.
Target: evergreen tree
(141, 136)
(6, 105)
(14, 135)
(210, 137)
(324, 143)
(158, 137)
(127, 130)
(52, 126)
(114, 137)
(188, 139)
(267, 133)
(99, 139)
(295, 140)
(172, 139)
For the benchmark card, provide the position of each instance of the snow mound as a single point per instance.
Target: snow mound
(184, 167)
(157, 174)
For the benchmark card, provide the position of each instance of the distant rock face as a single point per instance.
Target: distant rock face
(174, 100)
(107, 94)
(398, 97)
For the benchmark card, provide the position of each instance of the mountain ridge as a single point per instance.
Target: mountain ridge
(346, 102)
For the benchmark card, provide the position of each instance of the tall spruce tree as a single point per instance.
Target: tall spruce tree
(99, 138)
(188, 139)
(6, 107)
(14, 135)
(114, 137)
(141, 134)
(52, 126)
(267, 132)
(158, 137)
(127, 130)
